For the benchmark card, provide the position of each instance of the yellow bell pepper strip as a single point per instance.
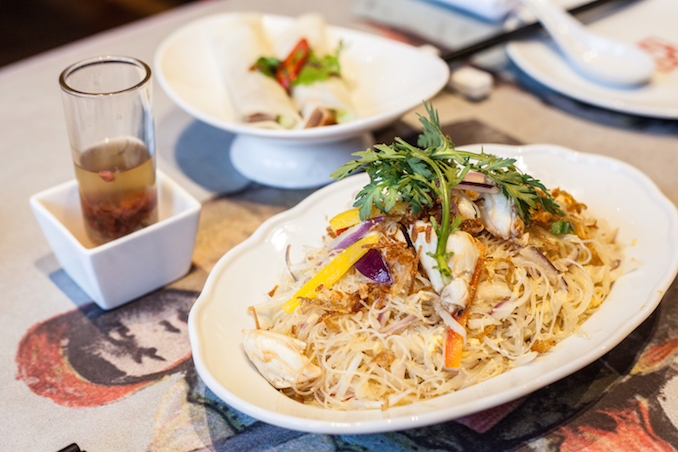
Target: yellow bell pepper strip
(455, 342)
(349, 218)
(352, 217)
(332, 271)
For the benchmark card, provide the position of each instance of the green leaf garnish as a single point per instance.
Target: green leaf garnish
(562, 227)
(319, 69)
(267, 66)
(315, 69)
(420, 175)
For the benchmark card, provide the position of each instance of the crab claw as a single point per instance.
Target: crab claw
(500, 215)
(465, 254)
(279, 358)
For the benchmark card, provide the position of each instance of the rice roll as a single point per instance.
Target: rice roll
(323, 102)
(257, 99)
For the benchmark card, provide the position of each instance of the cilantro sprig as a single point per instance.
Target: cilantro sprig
(318, 69)
(420, 175)
(266, 65)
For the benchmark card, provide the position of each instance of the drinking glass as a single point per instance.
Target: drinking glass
(107, 105)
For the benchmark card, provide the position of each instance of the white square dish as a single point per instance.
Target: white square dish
(126, 268)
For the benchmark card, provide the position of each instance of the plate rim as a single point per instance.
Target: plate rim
(656, 294)
(517, 53)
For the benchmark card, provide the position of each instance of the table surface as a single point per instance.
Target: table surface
(627, 400)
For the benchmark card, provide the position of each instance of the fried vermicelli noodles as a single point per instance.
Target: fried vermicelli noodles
(380, 345)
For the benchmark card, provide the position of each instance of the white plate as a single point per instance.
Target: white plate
(647, 221)
(387, 78)
(641, 20)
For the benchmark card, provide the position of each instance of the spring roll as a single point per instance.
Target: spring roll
(257, 99)
(323, 102)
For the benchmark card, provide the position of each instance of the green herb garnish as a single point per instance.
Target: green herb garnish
(319, 69)
(267, 66)
(315, 69)
(420, 175)
(562, 227)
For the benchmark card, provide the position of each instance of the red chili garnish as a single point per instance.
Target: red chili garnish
(340, 231)
(107, 176)
(289, 69)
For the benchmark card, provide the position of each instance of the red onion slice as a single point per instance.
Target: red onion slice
(502, 309)
(354, 233)
(289, 263)
(400, 326)
(533, 254)
(478, 182)
(373, 266)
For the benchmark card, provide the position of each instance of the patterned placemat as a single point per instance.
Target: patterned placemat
(90, 358)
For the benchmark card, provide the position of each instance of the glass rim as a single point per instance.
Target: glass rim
(103, 60)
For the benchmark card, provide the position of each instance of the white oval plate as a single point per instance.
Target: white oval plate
(387, 78)
(641, 20)
(647, 221)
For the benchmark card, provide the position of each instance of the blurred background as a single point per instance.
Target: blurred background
(29, 27)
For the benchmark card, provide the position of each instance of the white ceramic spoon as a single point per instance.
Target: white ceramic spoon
(601, 59)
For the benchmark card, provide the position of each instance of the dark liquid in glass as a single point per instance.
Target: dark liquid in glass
(117, 187)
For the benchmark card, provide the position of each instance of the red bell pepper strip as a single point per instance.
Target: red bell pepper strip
(455, 342)
(289, 69)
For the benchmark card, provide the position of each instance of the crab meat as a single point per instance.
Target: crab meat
(497, 294)
(279, 358)
(467, 208)
(493, 291)
(425, 244)
(500, 215)
(455, 294)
